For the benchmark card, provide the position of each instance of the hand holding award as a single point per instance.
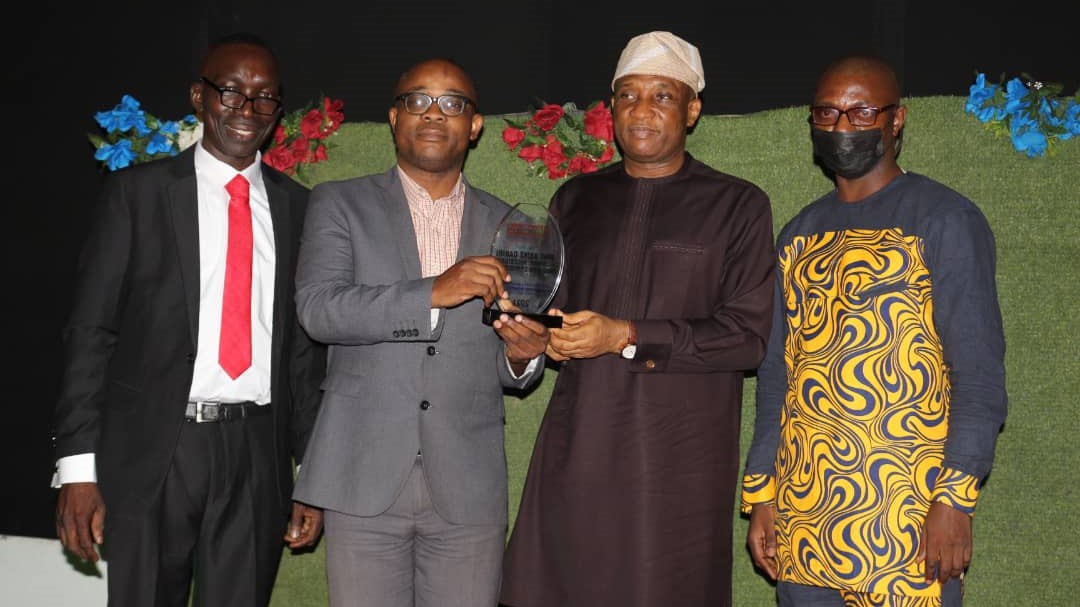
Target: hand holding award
(528, 242)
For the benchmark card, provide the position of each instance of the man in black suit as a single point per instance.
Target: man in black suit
(178, 461)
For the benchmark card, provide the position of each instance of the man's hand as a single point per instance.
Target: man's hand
(471, 277)
(946, 547)
(305, 526)
(80, 519)
(525, 338)
(761, 538)
(587, 334)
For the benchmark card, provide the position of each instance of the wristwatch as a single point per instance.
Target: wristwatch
(630, 349)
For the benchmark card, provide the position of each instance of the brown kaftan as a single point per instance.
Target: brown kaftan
(630, 492)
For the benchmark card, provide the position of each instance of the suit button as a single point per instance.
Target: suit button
(650, 364)
(190, 358)
(431, 351)
(424, 405)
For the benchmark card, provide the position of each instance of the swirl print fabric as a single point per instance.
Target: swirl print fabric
(866, 415)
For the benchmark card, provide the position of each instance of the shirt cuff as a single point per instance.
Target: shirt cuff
(528, 368)
(957, 489)
(757, 489)
(79, 468)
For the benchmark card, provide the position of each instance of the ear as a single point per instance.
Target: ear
(477, 126)
(392, 117)
(693, 111)
(195, 94)
(899, 117)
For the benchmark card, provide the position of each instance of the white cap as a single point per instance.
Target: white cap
(661, 54)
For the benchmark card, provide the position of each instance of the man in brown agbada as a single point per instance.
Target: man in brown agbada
(666, 303)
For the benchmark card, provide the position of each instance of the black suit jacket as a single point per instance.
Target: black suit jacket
(130, 341)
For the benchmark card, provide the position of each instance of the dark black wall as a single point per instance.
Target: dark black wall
(71, 61)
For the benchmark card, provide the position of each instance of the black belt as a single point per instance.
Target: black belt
(223, 412)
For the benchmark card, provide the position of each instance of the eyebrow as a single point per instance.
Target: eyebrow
(426, 91)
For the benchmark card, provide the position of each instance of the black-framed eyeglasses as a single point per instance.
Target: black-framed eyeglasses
(450, 104)
(235, 100)
(824, 115)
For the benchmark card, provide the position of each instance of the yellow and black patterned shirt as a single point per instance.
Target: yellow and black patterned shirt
(883, 387)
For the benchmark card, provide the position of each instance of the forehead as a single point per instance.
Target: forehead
(241, 61)
(849, 87)
(436, 77)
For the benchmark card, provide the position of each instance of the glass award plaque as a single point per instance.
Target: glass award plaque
(528, 242)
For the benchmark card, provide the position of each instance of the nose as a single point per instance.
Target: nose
(640, 106)
(433, 112)
(844, 123)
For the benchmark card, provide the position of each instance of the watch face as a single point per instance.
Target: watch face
(629, 351)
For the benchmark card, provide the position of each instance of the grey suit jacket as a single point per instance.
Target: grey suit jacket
(394, 386)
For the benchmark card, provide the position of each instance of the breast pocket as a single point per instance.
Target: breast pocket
(673, 278)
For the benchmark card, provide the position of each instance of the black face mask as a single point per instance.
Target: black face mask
(848, 154)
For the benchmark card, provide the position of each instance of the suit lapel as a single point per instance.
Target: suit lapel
(396, 207)
(282, 225)
(184, 208)
(476, 226)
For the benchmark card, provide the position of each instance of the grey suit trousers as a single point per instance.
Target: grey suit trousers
(409, 556)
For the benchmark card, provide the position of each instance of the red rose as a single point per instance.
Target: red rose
(554, 158)
(598, 122)
(609, 152)
(300, 148)
(554, 172)
(281, 159)
(530, 153)
(311, 124)
(548, 116)
(581, 164)
(319, 154)
(280, 135)
(332, 108)
(512, 136)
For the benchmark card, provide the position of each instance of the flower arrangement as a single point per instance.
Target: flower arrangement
(1030, 112)
(132, 136)
(563, 141)
(301, 136)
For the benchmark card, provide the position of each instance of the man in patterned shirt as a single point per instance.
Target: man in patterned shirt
(882, 391)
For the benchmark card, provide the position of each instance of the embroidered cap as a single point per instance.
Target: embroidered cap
(661, 54)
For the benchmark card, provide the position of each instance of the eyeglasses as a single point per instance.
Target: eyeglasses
(449, 104)
(824, 115)
(234, 99)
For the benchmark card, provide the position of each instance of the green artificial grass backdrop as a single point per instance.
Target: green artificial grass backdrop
(1027, 547)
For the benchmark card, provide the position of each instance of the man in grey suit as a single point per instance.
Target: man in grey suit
(407, 456)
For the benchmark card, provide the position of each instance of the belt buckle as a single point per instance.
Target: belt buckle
(206, 412)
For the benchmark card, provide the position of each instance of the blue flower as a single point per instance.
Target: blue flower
(159, 144)
(117, 155)
(124, 117)
(170, 127)
(1031, 142)
(1071, 121)
(132, 136)
(980, 94)
(1015, 96)
(1027, 111)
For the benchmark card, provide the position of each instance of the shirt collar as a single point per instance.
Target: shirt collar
(216, 171)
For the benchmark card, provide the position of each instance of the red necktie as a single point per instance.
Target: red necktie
(234, 349)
